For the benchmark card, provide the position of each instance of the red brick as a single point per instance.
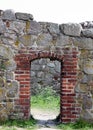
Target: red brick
(24, 96)
(24, 89)
(25, 82)
(66, 120)
(69, 75)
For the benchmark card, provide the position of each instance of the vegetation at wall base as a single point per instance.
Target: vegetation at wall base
(80, 124)
(19, 123)
(47, 98)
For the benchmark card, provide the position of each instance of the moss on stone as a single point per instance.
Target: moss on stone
(17, 43)
(2, 82)
(84, 53)
(27, 25)
(83, 87)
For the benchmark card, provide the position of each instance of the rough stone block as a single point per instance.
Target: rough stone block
(71, 29)
(88, 67)
(88, 32)
(33, 28)
(24, 16)
(2, 27)
(8, 15)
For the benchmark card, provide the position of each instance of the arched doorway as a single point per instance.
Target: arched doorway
(45, 89)
(69, 110)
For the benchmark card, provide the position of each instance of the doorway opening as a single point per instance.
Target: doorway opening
(45, 89)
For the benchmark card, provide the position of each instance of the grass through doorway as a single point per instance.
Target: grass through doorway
(46, 104)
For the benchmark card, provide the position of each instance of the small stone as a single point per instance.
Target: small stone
(87, 32)
(32, 73)
(40, 74)
(87, 102)
(53, 28)
(8, 15)
(6, 51)
(17, 27)
(84, 79)
(88, 67)
(2, 82)
(52, 65)
(11, 94)
(10, 75)
(2, 27)
(87, 24)
(1, 12)
(44, 39)
(71, 29)
(83, 43)
(62, 40)
(10, 65)
(33, 28)
(24, 16)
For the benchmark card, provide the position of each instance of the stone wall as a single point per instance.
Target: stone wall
(23, 40)
(45, 73)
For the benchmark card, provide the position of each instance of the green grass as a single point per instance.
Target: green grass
(46, 99)
(11, 124)
(78, 125)
(8, 128)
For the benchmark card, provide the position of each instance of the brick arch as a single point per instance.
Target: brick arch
(69, 110)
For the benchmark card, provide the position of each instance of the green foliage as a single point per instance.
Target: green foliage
(82, 124)
(18, 123)
(8, 128)
(78, 125)
(2, 65)
(46, 99)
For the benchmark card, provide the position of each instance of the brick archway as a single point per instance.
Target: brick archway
(69, 59)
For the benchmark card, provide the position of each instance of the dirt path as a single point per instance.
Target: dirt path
(45, 119)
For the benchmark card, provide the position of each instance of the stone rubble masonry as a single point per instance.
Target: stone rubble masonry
(23, 41)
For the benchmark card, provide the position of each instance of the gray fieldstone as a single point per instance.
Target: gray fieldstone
(88, 67)
(71, 29)
(87, 115)
(8, 15)
(2, 82)
(84, 79)
(2, 94)
(52, 65)
(10, 65)
(24, 16)
(6, 51)
(32, 73)
(40, 74)
(57, 66)
(17, 27)
(13, 86)
(87, 102)
(87, 24)
(33, 28)
(10, 35)
(82, 43)
(87, 32)
(2, 27)
(20, 35)
(10, 75)
(35, 67)
(44, 39)
(62, 40)
(53, 28)
(11, 94)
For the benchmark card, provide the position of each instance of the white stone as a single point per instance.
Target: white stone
(88, 67)
(71, 29)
